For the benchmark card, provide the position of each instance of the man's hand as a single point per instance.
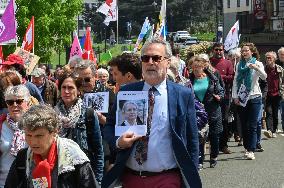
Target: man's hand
(127, 139)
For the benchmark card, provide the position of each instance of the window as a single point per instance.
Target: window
(228, 4)
(247, 2)
(238, 3)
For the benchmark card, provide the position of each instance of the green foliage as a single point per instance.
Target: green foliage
(205, 36)
(55, 20)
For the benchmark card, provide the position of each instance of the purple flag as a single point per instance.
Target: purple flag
(76, 48)
(7, 23)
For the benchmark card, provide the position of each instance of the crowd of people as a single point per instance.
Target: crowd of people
(49, 138)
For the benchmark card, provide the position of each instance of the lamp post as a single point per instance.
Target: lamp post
(217, 21)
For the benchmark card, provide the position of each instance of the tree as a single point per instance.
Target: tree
(94, 20)
(55, 20)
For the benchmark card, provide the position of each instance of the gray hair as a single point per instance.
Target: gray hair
(127, 103)
(40, 116)
(281, 50)
(84, 64)
(19, 91)
(155, 40)
(204, 56)
(175, 63)
(271, 53)
(103, 71)
(74, 60)
(235, 52)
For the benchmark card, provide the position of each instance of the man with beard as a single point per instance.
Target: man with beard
(168, 154)
(226, 71)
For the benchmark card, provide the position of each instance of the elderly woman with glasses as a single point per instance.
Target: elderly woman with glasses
(80, 123)
(49, 161)
(12, 138)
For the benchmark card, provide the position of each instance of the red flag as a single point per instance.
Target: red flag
(88, 52)
(28, 42)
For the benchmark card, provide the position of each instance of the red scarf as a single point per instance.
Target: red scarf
(43, 169)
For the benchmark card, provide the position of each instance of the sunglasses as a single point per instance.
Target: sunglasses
(155, 58)
(87, 80)
(12, 102)
(218, 49)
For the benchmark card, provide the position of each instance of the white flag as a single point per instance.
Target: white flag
(233, 37)
(112, 13)
(104, 8)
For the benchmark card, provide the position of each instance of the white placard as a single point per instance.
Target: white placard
(132, 112)
(98, 101)
(243, 95)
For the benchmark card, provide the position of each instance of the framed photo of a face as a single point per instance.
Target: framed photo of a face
(243, 95)
(30, 59)
(98, 101)
(132, 112)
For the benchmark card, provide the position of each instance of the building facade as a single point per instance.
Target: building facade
(261, 21)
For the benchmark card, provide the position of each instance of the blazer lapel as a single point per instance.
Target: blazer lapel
(172, 102)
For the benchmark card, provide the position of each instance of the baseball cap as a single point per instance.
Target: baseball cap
(37, 72)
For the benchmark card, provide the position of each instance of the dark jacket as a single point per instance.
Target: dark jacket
(81, 176)
(211, 105)
(93, 149)
(183, 128)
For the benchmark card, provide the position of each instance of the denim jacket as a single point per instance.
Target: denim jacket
(95, 154)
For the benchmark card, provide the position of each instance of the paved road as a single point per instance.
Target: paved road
(233, 171)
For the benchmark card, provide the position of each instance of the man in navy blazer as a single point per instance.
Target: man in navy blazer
(173, 148)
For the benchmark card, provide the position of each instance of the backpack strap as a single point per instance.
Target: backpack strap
(90, 127)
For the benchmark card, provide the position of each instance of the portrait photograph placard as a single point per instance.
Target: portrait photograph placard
(243, 95)
(98, 101)
(132, 112)
(30, 59)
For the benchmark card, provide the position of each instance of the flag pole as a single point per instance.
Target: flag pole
(33, 34)
(117, 22)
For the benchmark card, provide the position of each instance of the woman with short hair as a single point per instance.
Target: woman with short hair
(209, 92)
(49, 161)
(12, 138)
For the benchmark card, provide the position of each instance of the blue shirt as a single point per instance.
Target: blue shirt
(160, 149)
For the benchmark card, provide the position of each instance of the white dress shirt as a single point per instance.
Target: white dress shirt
(160, 151)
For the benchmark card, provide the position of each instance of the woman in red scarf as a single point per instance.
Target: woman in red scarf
(49, 161)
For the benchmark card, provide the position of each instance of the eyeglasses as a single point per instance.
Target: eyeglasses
(11, 102)
(155, 58)
(87, 79)
(218, 49)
